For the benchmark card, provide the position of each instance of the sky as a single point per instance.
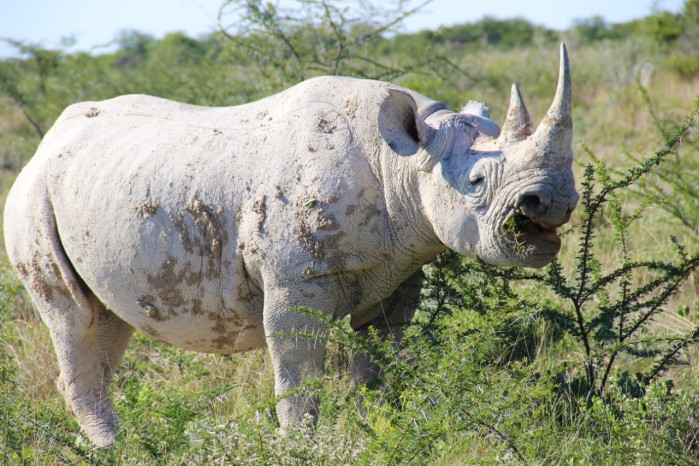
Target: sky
(94, 23)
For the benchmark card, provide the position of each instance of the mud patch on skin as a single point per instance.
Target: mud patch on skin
(39, 282)
(201, 229)
(319, 234)
(196, 307)
(325, 124)
(221, 342)
(306, 234)
(146, 302)
(351, 105)
(93, 112)
(279, 194)
(147, 209)
(370, 211)
(367, 211)
(22, 271)
(338, 258)
(327, 222)
(247, 290)
(260, 208)
(227, 325)
(308, 240)
(152, 332)
(201, 232)
(166, 284)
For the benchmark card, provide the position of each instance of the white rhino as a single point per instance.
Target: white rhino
(207, 228)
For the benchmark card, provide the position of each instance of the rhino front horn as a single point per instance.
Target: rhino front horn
(553, 139)
(518, 124)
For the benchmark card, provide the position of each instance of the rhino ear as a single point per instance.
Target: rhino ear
(402, 123)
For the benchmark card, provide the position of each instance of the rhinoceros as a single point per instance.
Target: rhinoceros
(208, 228)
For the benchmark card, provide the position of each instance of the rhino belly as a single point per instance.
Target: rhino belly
(164, 273)
(184, 304)
(179, 305)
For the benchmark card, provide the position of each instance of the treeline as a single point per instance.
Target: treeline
(663, 27)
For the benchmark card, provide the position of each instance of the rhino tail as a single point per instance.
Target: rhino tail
(38, 256)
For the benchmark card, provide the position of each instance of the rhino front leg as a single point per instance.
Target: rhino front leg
(394, 313)
(296, 342)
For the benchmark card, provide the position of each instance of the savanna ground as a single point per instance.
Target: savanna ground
(589, 361)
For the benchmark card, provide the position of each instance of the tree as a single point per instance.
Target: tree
(312, 37)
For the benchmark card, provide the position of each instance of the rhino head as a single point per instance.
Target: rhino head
(498, 193)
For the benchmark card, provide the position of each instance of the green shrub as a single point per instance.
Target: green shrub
(686, 66)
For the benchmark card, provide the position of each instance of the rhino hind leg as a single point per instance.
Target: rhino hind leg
(395, 312)
(88, 339)
(87, 358)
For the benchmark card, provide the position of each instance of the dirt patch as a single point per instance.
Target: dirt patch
(147, 209)
(370, 211)
(22, 271)
(351, 105)
(201, 232)
(247, 290)
(39, 282)
(227, 325)
(260, 208)
(319, 233)
(146, 302)
(152, 332)
(93, 112)
(196, 307)
(325, 124)
(326, 223)
(167, 284)
(308, 239)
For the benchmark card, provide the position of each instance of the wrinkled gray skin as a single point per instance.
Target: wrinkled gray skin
(206, 227)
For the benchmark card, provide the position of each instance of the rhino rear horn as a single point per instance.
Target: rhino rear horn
(553, 139)
(518, 124)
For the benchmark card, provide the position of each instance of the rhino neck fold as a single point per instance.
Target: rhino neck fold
(409, 228)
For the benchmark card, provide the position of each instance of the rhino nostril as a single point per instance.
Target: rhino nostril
(531, 204)
(569, 213)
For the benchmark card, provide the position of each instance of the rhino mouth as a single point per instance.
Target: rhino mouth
(531, 237)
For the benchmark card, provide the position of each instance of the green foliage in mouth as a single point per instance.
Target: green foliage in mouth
(514, 227)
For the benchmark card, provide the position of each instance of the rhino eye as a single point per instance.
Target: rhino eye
(477, 180)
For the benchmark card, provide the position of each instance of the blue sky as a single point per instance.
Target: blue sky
(94, 22)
